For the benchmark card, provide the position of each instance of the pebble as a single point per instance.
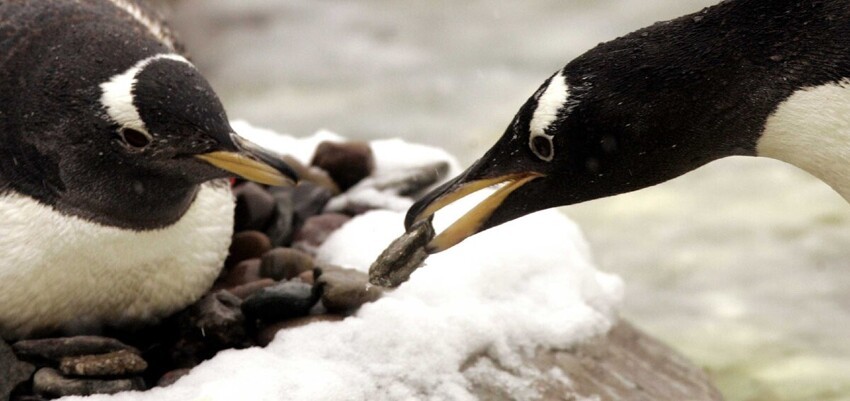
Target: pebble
(247, 245)
(402, 257)
(118, 363)
(266, 334)
(411, 182)
(254, 207)
(283, 301)
(307, 277)
(219, 319)
(312, 174)
(347, 163)
(317, 229)
(245, 290)
(50, 383)
(344, 290)
(285, 263)
(308, 200)
(12, 371)
(281, 228)
(171, 377)
(245, 272)
(54, 349)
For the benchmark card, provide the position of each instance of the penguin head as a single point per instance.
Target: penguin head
(162, 118)
(582, 135)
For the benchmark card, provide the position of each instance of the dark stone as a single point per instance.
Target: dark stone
(347, 163)
(28, 397)
(171, 377)
(218, 318)
(247, 245)
(245, 272)
(50, 383)
(412, 182)
(285, 263)
(282, 223)
(317, 229)
(54, 349)
(254, 207)
(309, 200)
(345, 290)
(118, 363)
(245, 290)
(12, 371)
(402, 257)
(283, 301)
(312, 174)
(266, 335)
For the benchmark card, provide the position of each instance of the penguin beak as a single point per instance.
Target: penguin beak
(252, 162)
(475, 220)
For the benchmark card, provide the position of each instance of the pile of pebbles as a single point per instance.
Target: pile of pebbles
(270, 282)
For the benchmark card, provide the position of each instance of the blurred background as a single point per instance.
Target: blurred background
(741, 265)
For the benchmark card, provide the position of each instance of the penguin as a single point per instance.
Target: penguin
(743, 77)
(115, 157)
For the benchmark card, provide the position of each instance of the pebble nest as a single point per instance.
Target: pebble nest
(269, 282)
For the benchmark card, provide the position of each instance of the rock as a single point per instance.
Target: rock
(308, 200)
(219, 319)
(254, 207)
(247, 245)
(347, 163)
(118, 363)
(50, 383)
(266, 335)
(344, 290)
(28, 397)
(317, 229)
(245, 290)
(12, 371)
(282, 224)
(307, 277)
(412, 182)
(285, 263)
(54, 349)
(171, 377)
(245, 272)
(312, 174)
(404, 255)
(624, 364)
(283, 301)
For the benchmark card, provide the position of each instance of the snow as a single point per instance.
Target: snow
(526, 284)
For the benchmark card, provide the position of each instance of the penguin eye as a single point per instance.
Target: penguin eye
(135, 138)
(542, 147)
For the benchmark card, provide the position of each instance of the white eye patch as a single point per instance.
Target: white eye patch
(549, 105)
(117, 96)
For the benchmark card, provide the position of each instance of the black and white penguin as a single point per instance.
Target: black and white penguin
(114, 207)
(745, 77)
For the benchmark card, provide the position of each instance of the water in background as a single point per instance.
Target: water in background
(741, 265)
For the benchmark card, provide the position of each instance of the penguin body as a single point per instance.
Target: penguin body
(744, 77)
(113, 152)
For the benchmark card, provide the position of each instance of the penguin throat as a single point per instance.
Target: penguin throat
(811, 130)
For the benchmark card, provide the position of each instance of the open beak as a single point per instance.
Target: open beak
(474, 220)
(252, 162)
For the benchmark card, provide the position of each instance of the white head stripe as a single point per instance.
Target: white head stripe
(117, 97)
(550, 103)
(154, 27)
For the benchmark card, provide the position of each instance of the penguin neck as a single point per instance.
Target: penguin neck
(138, 203)
(811, 130)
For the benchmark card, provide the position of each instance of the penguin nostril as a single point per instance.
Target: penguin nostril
(135, 138)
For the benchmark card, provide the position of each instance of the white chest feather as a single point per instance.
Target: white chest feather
(811, 130)
(61, 272)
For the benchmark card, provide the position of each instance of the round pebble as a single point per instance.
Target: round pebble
(317, 229)
(283, 301)
(118, 363)
(245, 290)
(171, 377)
(344, 290)
(347, 163)
(285, 263)
(254, 207)
(245, 272)
(247, 245)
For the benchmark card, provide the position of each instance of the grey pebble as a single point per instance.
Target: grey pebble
(344, 290)
(118, 363)
(404, 255)
(283, 301)
(285, 263)
(12, 371)
(54, 349)
(50, 383)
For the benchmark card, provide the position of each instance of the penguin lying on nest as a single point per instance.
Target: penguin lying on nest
(113, 152)
(744, 77)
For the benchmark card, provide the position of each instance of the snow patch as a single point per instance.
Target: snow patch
(526, 284)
